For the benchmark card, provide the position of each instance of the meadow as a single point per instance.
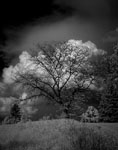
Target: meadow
(59, 134)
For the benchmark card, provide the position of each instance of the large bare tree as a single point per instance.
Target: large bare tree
(58, 72)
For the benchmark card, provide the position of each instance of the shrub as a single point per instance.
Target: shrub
(9, 120)
(91, 115)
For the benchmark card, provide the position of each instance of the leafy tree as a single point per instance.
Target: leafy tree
(58, 72)
(108, 107)
(15, 115)
(91, 115)
(15, 112)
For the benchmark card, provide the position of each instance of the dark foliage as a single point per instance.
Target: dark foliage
(15, 111)
(108, 107)
(15, 115)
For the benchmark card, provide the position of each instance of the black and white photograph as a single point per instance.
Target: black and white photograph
(59, 75)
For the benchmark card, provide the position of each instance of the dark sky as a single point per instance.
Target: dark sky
(25, 24)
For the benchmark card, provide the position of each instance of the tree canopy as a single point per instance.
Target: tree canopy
(109, 104)
(58, 72)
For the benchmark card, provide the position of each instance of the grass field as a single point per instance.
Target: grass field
(51, 134)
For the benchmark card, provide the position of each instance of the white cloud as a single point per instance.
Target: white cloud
(26, 63)
(23, 96)
(92, 48)
(7, 74)
(5, 103)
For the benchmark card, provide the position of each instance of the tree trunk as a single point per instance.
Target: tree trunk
(66, 112)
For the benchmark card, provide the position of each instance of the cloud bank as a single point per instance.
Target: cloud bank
(26, 63)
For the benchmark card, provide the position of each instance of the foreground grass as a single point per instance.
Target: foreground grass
(59, 135)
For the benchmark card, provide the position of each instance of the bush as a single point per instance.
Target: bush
(10, 120)
(91, 115)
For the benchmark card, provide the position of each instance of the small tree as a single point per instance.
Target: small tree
(15, 111)
(15, 115)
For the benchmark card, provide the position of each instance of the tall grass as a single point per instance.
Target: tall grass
(57, 135)
(87, 138)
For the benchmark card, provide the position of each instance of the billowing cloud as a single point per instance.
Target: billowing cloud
(26, 64)
(93, 50)
(23, 96)
(5, 104)
(7, 75)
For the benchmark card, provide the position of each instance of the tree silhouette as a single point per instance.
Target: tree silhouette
(59, 72)
(14, 116)
(15, 112)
